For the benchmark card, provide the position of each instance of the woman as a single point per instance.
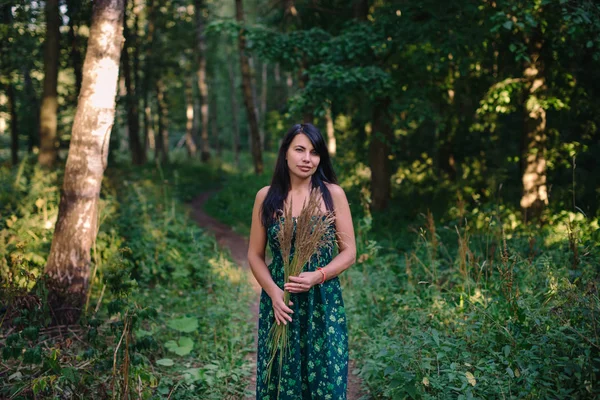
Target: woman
(317, 366)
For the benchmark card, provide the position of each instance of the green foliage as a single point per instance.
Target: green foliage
(483, 316)
(137, 318)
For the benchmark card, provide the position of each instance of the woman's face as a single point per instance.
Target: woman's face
(302, 158)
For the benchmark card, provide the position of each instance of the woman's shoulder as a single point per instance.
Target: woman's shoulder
(262, 193)
(335, 190)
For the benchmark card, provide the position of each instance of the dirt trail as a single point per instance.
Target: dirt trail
(238, 246)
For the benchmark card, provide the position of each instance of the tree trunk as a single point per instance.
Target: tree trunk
(261, 132)
(331, 143)
(202, 86)
(189, 119)
(150, 141)
(33, 138)
(535, 192)
(14, 125)
(361, 9)
(247, 92)
(138, 155)
(308, 115)
(289, 81)
(73, 10)
(147, 83)
(67, 270)
(235, 131)
(379, 151)
(162, 141)
(214, 122)
(279, 88)
(49, 108)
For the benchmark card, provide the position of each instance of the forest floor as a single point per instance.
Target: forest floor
(238, 247)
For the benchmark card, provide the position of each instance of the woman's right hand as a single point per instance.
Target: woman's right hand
(280, 309)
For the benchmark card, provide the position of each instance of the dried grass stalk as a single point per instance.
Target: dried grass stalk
(308, 235)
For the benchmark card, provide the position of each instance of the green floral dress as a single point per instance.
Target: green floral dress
(317, 367)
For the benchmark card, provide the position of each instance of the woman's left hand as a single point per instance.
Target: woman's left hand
(303, 282)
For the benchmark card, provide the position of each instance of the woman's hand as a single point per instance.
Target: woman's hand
(303, 282)
(280, 309)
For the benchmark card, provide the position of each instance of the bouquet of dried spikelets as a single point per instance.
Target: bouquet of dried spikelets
(310, 232)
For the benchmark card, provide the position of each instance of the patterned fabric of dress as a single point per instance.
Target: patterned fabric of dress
(317, 366)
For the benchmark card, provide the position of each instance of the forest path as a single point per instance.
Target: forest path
(238, 247)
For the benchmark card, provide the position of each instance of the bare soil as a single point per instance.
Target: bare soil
(238, 247)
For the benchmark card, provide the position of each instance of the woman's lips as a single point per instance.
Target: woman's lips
(304, 169)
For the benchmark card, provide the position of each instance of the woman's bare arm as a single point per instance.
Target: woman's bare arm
(345, 234)
(256, 260)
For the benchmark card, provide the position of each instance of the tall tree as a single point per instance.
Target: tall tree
(67, 269)
(235, 131)
(214, 121)
(138, 155)
(379, 151)
(148, 80)
(247, 91)
(202, 85)
(49, 108)
(6, 72)
(162, 141)
(189, 119)
(331, 142)
(535, 192)
(14, 123)
(73, 13)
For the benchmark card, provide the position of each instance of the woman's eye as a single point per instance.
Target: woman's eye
(314, 153)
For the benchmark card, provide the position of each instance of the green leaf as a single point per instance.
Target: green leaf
(506, 350)
(510, 372)
(508, 25)
(589, 44)
(185, 324)
(512, 47)
(436, 336)
(193, 374)
(167, 362)
(182, 348)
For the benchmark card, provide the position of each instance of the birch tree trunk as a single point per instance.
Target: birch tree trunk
(247, 92)
(49, 108)
(67, 271)
(202, 86)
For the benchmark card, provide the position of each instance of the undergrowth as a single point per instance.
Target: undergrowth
(167, 311)
(477, 306)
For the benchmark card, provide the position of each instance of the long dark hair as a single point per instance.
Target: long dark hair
(280, 183)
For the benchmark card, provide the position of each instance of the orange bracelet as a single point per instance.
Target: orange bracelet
(324, 275)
